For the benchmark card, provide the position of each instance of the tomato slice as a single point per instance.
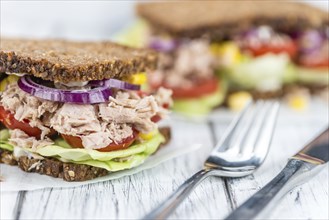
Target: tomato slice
(199, 89)
(76, 142)
(8, 119)
(141, 93)
(156, 118)
(322, 63)
(73, 141)
(289, 47)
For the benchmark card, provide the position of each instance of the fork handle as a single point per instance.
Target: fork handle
(295, 173)
(171, 203)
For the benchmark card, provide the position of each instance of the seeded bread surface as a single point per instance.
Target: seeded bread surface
(67, 61)
(219, 20)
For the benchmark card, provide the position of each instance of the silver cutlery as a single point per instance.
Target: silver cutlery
(300, 168)
(240, 152)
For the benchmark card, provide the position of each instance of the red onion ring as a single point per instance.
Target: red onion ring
(114, 83)
(311, 41)
(163, 45)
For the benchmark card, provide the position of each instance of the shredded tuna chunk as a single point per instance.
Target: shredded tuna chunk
(191, 62)
(97, 125)
(113, 133)
(19, 138)
(123, 110)
(25, 106)
(102, 124)
(96, 140)
(73, 119)
(118, 132)
(163, 97)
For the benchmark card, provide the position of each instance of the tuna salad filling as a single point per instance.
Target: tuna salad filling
(264, 59)
(35, 123)
(188, 68)
(259, 58)
(186, 65)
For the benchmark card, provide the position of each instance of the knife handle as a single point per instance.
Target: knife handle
(295, 173)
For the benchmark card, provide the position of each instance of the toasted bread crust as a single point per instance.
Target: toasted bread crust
(53, 167)
(7, 157)
(58, 169)
(219, 20)
(65, 61)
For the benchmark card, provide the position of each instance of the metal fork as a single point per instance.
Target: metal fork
(240, 152)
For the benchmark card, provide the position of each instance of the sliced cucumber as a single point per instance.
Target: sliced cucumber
(267, 72)
(313, 76)
(202, 105)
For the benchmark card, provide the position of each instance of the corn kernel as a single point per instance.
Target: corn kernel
(238, 100)
(12, 78)
(298, 99)
(298, 102)
(138, 78)
(215, 48)
(8, 80)
(230, 53)
(3, 85)
(147, 136)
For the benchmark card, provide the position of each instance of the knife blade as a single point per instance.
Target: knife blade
(300, 168)
(317, 151)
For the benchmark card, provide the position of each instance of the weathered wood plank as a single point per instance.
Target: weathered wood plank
(309, 201)
(132, 197)
(8, 202)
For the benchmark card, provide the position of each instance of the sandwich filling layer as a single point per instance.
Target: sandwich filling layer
(260, 58)
(61, 150)
(188, 69)
(265, 60)
(117, 134)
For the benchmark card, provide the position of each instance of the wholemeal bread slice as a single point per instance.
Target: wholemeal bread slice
(58, 169)
(53, 167)
(221, 19)
(66, 61)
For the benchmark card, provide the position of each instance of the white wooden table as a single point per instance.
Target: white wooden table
(133, 196)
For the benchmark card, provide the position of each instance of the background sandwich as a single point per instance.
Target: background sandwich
(186, 65)
(73, 110)
(258, 46)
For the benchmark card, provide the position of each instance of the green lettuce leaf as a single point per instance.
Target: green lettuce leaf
(309, 75)
(265, 72)
(4, 135)
(134, 36)
(111, 161)
(79, 154)
(113, 166)
(203, 105)
(6, 146)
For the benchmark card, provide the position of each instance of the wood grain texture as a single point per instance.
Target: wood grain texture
(133, 196)
(310, 200)
(7, 204)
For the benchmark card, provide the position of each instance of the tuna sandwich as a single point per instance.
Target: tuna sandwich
(260, 47)
(75, 110)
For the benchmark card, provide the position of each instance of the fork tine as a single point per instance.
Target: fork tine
(226, 139)
(224, 142)
(249, 139)
(266, 132)
(242, 131)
